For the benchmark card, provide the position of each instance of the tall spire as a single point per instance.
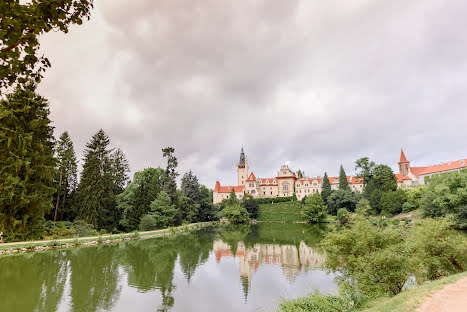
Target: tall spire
(241, 163)
(403, 158)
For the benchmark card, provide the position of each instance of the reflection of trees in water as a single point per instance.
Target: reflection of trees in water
(94, 278)
(234, 233)
(32, 282)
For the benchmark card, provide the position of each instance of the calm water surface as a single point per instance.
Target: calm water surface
(227, 268)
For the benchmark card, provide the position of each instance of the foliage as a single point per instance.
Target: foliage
(375, 258)
(363, 207)
(232, 197)
(384, 178)
(26, 163)
(326, 190)
(67, 166)
(366, 169)
(343, 216)
(134, 202)
(170, 173)
(437, 249)
(414, 197)
(314, 210)
(83, 229)
(21, 24)
(251, 205)
(286, 211)
(343, 183)
(163, 212)
(148, 223)
(447, 195)
(274, 200)
(120, 170)
(342, 199)
(391, 202)
(235, 213)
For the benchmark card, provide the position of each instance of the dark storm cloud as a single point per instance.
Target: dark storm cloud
(312, 83)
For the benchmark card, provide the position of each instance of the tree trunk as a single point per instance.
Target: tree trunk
(63, 204)
(58, 196)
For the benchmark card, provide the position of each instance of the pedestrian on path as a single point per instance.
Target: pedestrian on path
(1, 237)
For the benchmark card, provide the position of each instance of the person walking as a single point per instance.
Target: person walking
(1, 237)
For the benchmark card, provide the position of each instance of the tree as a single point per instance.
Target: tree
(67, 170)
(235, 213)
(251, 206)
(363, 207)
(120, 170)
(391, 201)
(170, 173)
(207, 211)
(300, 174)
(163, 212)
(343, 216)
(190, 187)
(22, 23)
(326, 191)
(314, 210)
(366, 169)
(342, 199)
(343, 183)
(96, 188)
(136, 199)
(384, 178)
(233, 197)
(26, 163)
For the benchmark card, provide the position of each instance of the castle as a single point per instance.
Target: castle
(287, 181)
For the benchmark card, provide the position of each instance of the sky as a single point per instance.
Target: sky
(313, 84)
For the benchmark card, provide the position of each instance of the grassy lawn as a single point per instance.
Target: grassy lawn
(410, 299)
(287, 212)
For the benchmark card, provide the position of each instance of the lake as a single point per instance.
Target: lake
(221, 268)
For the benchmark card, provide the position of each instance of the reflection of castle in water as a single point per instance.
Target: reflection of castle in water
(291, 259)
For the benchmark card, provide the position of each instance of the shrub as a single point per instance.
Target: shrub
(84, 229)
(251, 205)
(274, 200)
(148, 223)
(342, 199)
(363, 207)
(235, 213)
(314, 210)
(343, 216)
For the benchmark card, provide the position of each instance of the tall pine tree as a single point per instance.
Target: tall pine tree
(170, 174)
(343, 183)
(26, 163)
(326, 191)
(67, 166)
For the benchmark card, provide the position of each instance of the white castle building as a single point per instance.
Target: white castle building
(286, 181)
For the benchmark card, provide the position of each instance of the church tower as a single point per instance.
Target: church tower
(242, 169)
(404, 165)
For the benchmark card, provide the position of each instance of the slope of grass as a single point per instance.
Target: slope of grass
(410, 299)
(285, 212)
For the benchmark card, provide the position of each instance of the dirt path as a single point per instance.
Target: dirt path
(452, 298)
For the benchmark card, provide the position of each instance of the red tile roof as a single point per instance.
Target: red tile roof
(251, 177)
(401, 178)
(403, 159)
(267, 181)
(228, 189)
(452, 165)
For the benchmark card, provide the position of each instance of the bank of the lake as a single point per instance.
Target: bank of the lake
(15, 247)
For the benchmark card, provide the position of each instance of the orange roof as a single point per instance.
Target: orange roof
(267, 181)
(401, 178)
(452, 165)
(228, 189)
(350, 179)
(403, 159)
(251, 177)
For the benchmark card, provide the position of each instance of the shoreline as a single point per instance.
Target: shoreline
(28, 246)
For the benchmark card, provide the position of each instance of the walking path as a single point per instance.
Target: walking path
(452, 298)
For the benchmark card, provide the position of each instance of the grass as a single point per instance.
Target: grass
(285, 212)
(101, 238)
(410, 299)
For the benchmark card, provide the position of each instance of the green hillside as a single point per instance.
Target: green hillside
(287, 212)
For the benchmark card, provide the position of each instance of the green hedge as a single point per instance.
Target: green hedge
(274, 200)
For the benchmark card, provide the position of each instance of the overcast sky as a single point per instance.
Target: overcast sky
(310, 83)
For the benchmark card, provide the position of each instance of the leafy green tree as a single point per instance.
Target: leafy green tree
(26, 163)
(384, 178)
(391, 202)
(342, 199)
(343, 216)
(170, 174)
(163, 211)
(314, 210)
(136, 199)
(343, 183)
(326, 191)
(363, 207)
(188, 211)
(148, 223)
(232, 198)
(235, 213)
(373, 257)
(207, 211)
(366, 168)
(22, 23)
(251, 206)
(67, 171)
(97, 188)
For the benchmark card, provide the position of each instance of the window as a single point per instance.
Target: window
(264, 193)
(253, 192)
(271, 193)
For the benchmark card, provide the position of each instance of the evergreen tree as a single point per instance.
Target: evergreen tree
(232, 198)
(67, 171)
(326, 191)
(120, 169)
(190, 187)
(96, 186)
(251, 206)
(26, 163)
(207, 211)
(343, 183)
(170, 174)
(162, 211)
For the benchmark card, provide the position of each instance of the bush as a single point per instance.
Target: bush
(235, 213)
(84, 229)
(363, 207)
(342, 199)
(251, 205)
(314, 210)
(275, 200)
(148, 223)
(343, 216)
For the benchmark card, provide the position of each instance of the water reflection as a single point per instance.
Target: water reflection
(237, 267)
